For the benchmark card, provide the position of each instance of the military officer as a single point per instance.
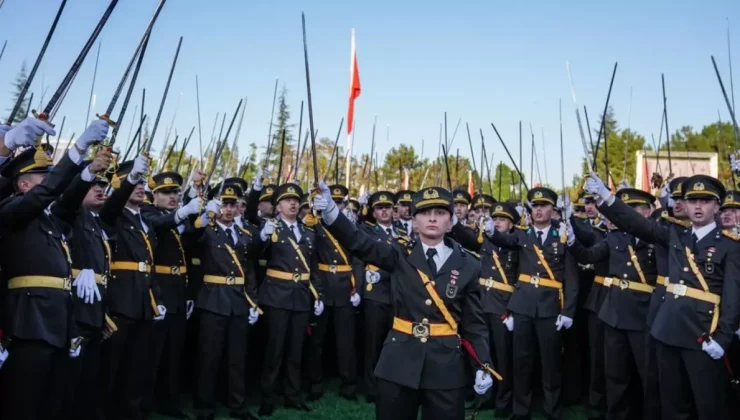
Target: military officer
(700, 312)
(304, 207)
(730, 210)
(287, 295)
(37, 271)
(462, 204)
(628, 288)
(482, 205)
(404, 224)
(498, 275)
(421, 363)
(377, 308)
(171, 276)
(543, 302)
(227, 302)
(133, 297)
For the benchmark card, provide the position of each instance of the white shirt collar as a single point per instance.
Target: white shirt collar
(443, 252)
(703, 231)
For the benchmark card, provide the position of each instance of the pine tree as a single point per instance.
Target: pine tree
(282, 124)
(20, 81)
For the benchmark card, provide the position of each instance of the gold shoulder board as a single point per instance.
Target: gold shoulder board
(733, 236)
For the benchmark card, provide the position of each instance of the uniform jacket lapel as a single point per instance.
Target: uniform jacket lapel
(419, 260)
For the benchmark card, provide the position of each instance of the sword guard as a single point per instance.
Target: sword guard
(106, 118)
(42, 116)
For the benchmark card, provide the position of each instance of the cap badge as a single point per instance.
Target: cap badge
(431, 194)
(229, 191)
(383, 197)
(499, 208)
(538, 194)
(337, 191)
(291, 190)
(699, 186)
(625, 197)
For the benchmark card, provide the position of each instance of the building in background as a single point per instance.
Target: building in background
(682, 164)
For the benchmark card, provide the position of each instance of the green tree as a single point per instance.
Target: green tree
(20, 81)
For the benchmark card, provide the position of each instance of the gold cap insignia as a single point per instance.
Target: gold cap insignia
(699, 186)
(430, 194)
(499, 208)
(337, 191)
(268, 190)
(481, 200)
(382, 197)
(229, 191)
(291, 190)
(625, 197)
(407, 196)
(730, 198)
(538, 194)
(459, 195)
(168, 181)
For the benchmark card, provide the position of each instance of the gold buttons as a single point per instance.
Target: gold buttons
(424, 321)
(428, 302)
(629, 264)
(423, 339)
(686, 269)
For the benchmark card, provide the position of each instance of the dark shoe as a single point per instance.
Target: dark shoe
(315, 396)
(242, 416)
(349, 397)
(172, 412)
(266, 410)
(297, 405)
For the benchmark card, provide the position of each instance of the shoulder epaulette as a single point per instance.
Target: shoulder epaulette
(471, 253)
(684, 223)
(521, 227)
(244, 231)
(731, 235)
(601, 228)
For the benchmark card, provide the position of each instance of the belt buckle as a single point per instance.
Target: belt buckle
(420, 330)
(679, 290)
(333, 268)
(489, 283)
(534, 281)
(143, 267)
(230, 280)
(624, 284)
(296, 277)
(175, 270)
(67, 284)
(608, 281)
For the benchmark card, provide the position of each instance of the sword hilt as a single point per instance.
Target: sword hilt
(106, 118)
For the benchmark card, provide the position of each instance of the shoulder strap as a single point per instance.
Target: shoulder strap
(305, 264)
(700, 277)
(341, 254)
(437, 300)
(497, 261)
(636, 262)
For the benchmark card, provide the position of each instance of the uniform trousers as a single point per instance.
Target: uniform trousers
(168, 339)
(286, 331)
(29, 378)
(501, 343)
(692, 384)
(377, 322)
(125, 368)
(398, 402)
(575, 359)
(81, 381)
(221, 338)
(343, 319)
(529, 333)
(597, 381)
(652, 381)
(624, 353)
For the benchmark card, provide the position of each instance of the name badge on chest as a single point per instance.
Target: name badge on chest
(451, 289)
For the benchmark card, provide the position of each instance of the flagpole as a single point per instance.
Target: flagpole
(352, 69)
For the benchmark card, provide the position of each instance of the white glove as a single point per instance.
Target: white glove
(25, 133)
(483, 382)
(3, 357)
(623, 184)
(373, 277)
(141, 166)
(562, 228)
(595, 186)
(323, 202)
(162, 312)
(571, 234)
(87, 290)
(189, 306)
(363, 199)
(737, 333)
(253, 316)
(267, 230)
(714, 350)
(75, 347)
(213, 206)
(193, 207)
(488, 226)
(258, 177)
(567, 210)
(563, 322)
(318, 308)
(94, 134)
(509, 322)
(355, 299)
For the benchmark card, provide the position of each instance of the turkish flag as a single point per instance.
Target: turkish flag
(354, 86)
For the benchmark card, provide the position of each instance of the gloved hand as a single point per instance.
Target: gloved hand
(94, 134)
(323, 202)
(488, 226)
(373, 277)
(254, 315)
(87, 290)
(212, 207)
(623, 184)
(561, 229)
(141, 166)
(267, 230)
(567, 210)
(3, 357)
(363, 198)
(189, 306)
(571, 234)
(483, 382)
(193, 207)
(348, 213)
(258, 178)
(355, 299)
(75, 347)
(595, 186)
(318, 308)
(162, 313)
(714, 350)
(509, 322)
(25, 133)
(563, 322)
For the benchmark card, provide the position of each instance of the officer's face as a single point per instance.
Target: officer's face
(288, 207)
(138, 195)
(95, 197)
(679, 208)
(461, 211)
(403, 211)
(266, 208)
(228, 211)
(472, 217)
(482, 212)
(383, 214)
(395, 214)
(166, 199)
(591, 210)
(644, 210)
(701, 211)
(729, 218)
(27, 181)
(502, 224)
(433, 223)
(541, 213)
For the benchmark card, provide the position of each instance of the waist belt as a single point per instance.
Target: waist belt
(99, 278)
(262, 263)
(679, 290)
(490, 283)
(228, 281)
(537, 281)
(141, 267)
(662, 280)
(40, 281)
(333, 268)
(283, 275)
(174, 269)
(423, 330)
(599, 280)
(625, 284)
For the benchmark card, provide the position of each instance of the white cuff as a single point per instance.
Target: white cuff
(331, 215)
(75, 156)
(178, 217)
(263, 236)
(86, 175)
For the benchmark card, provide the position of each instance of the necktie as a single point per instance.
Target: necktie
(694, 240)
(431, 252)
(388, 231)
(143, 225)
(229, 232)
(539, 236)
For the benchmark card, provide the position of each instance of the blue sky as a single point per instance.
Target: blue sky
(480, 60)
